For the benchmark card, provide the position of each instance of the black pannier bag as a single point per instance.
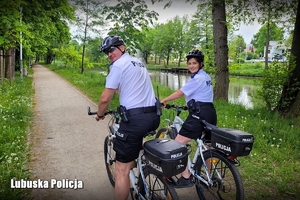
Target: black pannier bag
(231, 141)
(166, 156)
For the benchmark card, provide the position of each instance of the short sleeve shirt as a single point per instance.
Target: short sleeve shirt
(131, 79)
(199, 88)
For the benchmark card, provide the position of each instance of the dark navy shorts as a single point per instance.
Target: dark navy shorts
(193, 128)
(129, 139)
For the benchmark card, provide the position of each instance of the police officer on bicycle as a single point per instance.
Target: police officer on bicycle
(129, 77)
(198, 93)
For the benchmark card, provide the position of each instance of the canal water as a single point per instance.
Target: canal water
(240, 89)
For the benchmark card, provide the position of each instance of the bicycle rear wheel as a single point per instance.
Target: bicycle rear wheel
(166, 133)
(158, 187)
(110, 160)
(227, 182)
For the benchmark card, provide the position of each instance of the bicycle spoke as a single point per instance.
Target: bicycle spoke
(158, 187)
(226, 182)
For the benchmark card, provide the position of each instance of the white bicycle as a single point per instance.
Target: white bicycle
(174, 125)
(146, 184)
(214, 165)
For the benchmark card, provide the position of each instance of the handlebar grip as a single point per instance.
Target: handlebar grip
(168, 106)
(91, 113)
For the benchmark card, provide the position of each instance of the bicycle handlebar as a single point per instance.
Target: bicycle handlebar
(168, 106)
(108, 112)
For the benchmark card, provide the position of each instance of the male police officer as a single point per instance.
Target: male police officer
(129, 77)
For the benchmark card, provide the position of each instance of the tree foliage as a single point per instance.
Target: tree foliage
(38, 25)
(129, 17)
(10, 24)
(88, 21)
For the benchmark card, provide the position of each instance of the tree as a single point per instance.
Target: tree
(93, 49)
(259, 39)
(181, 27)
(48, 26)
(202, 31)
(236, 46)
(270, 12)
(157, 39)
(221, 49)
(147, 42)
(163, 42)
(289, 103)
(88, 21)
(129, 17)
(43, 26)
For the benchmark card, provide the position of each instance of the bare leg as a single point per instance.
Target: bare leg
(186, 174)
(122, 182)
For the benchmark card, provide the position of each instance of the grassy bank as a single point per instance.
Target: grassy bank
(242, 69)
(16, 111)
(272, 169)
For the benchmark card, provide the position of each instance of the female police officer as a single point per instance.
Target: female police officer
(198, 92)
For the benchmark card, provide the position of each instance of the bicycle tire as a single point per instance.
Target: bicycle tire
(166, 133)
(229, 187)
(158, 186)
(109, 160)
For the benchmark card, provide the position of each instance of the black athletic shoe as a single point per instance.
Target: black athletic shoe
(181, 183)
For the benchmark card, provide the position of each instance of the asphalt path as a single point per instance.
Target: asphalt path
(67, 144)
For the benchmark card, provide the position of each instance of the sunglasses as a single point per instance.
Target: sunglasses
(109, 50)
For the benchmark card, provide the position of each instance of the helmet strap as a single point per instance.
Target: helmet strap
(121, 50)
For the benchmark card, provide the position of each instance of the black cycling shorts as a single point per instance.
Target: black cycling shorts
(192, 128)
(129, 139)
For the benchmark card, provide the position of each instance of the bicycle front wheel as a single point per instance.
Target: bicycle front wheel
(110, 160)
(166, 133)
(227, 182)
(157, 186)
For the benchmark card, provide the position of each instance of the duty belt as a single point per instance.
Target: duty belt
(140, 110)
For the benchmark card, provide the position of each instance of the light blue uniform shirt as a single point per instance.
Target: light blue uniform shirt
(199, 88)
(131, 79)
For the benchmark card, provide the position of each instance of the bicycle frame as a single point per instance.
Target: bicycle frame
(199, 152)
(201, 147)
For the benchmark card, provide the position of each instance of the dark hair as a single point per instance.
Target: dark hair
(198, 59)
(198, 55)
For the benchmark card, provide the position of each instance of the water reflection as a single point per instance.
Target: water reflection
(238, 93)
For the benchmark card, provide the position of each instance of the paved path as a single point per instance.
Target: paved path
(67, 143)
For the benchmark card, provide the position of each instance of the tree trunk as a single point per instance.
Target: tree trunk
(8, 65)
(2, 72)
(179, 59)
(146, 57)
(289, 103)
(168, 55)
(221, 49)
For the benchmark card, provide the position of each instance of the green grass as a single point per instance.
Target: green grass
(16, 111)
(271, 171)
